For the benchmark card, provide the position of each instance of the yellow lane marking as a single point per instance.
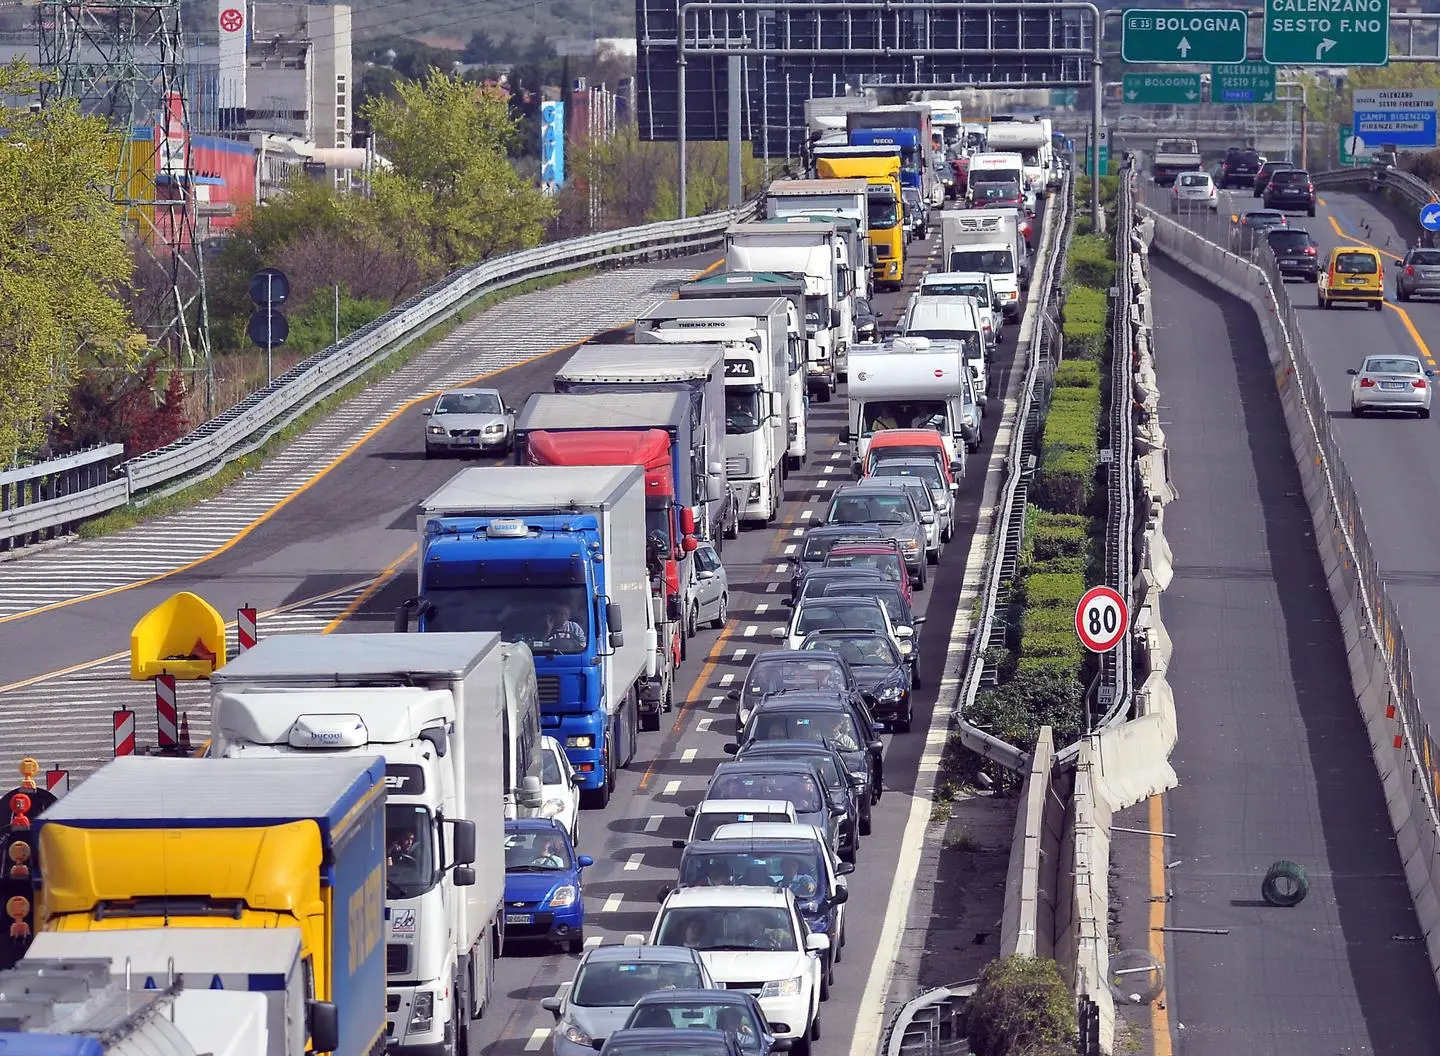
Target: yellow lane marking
(324, 471)
(385, 575)
(1405, 319)
(1159, 1012)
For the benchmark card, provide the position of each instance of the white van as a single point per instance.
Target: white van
(994, 167)
(976, 285)
(952, 319)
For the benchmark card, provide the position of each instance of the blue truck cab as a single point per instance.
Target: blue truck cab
(552, 556)
(906, 139)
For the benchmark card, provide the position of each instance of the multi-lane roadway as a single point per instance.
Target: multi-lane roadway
(335, 551)
(1274, 762)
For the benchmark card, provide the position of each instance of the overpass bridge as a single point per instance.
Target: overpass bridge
(1214, 128)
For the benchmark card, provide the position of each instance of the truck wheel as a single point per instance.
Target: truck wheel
(732, 530)
(650, 723)
(825, 393)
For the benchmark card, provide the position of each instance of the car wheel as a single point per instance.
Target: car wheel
(575, 831)
(815, 1027)
(866, 823)
(800, 1046)
(577, 942)
(825, 976)
(1400, 294)
(694, 620)
(722, 614)
(1424, 412)
(1380, 305)
(901, 725)
(825, 393)
(915, 680)
(1357, 411)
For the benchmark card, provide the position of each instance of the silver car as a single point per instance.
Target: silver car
(926, 471)
(712, 590)
(1194, 190)
(892, 509)
(469, 420)
(1390, 383)
(1418, 274)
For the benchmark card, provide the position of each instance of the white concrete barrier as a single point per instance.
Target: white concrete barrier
(1027, 927)
(1404, 755)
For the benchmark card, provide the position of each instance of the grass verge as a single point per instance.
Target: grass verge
(134, 513)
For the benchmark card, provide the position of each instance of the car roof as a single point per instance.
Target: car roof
(534, 825)
(1266, 212)
(868, 587)
(741, 844)
(841, 529)
(470, 390)
(744, 806)
(762, 766)
(685, 897)
(646, 954)
(682, 996)
(782, 748)
(789, 656)
(866, 487)
(805, 700)
(767, 830)
(825, 599)
(907, 436)
(681, 1037)
(820, 575)
(905, 460)
(883, 545)
(821, 633)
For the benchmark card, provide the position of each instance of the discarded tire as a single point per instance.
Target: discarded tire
(1285, 884)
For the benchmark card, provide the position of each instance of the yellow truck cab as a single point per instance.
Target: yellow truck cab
(880, 167)
(231, 845)
(1351, 274)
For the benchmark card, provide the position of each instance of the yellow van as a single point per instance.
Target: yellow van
(1351, 273)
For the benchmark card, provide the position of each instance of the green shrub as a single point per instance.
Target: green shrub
(1043, 619)
(1058, 542)
(1037, 696)
(1047, 590)
(1022, 1003)
(1077, 374)
(1089, 262)
(1055, 645)
(1047, 667)
(1083, 322)
(1067, 483)
(1077, 566)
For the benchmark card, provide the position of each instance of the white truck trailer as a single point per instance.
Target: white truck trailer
(756, 388)
(433, 705)
(988, 240)
(843, 199)
(1031, 141)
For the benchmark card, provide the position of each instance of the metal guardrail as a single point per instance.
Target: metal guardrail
(1010, 516)
(932, 1024)
(1375, 178)
(255, 419)
(29, 494)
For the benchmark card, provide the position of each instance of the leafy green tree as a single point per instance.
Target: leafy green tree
(452, 180)
(1021, 1006)
(63, 260)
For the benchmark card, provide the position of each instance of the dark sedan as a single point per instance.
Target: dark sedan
(786, 671)
(1248, 233)
(902, 617)
(890, 507)
(1296, 253)
(733, 1011)
(832, 719)
(1266, 173)
(883, 674)
(832, 771)
(867, 323)
(1291, 191)
(797, 782)
(817, 544)
(691, 1041)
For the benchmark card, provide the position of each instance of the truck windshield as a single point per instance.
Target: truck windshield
(902, 414)
(990, 261)
(999, 191)
(410, 856)
(658, 519)
(1030, 156)
(548, 619)
(883, 211)
(742, 411)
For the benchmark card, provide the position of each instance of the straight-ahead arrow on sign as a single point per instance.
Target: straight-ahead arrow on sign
(1183, 47)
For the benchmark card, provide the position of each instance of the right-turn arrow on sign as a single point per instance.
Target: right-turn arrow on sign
(1327, 32)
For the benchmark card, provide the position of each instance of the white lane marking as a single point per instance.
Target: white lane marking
(715, 703)
(835, 455)
(671, 788)
(612, 904)
(771, 587)
(795, 533)
(750, 631)
(782, 568)
(870, 1022)
(762, 607)
(538, 1036)
(822, 483)
(790, 549)
(688, 755)
(652, 823)
(634, 862)
(593, 941)
(805, 515)
(726, 679)
(703, 725)
(827, 469)
(741, 654)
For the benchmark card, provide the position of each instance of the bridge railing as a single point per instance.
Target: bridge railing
(1408, 187)
(31, 513)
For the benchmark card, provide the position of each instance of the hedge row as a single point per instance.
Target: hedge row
(1054, 560)
(1069, 443)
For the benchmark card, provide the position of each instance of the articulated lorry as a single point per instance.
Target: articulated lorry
(757, 415)
(231, 848)
(846, 200)
(988, 240)
(698, 371)
(247, 990)
(66, 1008)
(884, 217)
(651, 430)
(908, 128)
(554, 557)
(434, 707)
(806, 261)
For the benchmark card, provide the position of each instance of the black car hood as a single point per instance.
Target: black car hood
(872, 678)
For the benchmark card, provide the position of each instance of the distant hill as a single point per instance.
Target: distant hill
(452, 23)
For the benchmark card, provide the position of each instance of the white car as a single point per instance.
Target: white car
(813, 614)
(753, 939)
(559, 788)
(712, 813)
(1194, 190)
(1390, 383)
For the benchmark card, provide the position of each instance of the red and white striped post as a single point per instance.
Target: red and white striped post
(57, 781)
(166, 718)
(124, 722)
(245, 634)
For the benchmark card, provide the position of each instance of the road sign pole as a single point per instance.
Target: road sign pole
(1097, 91)
(269, 331)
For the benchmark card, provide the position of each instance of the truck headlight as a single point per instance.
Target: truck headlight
(422, 1011)
(585, 740)
(783, 987)
(562, 897)
(575, 1035)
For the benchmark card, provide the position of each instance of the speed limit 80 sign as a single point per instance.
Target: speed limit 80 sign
(1101, 619)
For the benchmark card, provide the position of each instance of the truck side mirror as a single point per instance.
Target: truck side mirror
(673, 609)
(324, 1026)
(464, 841)
(687, 520)
(532, 794)
(690, 544)
(715, 468)
(834, 317)
(846, 436)
(463, 876)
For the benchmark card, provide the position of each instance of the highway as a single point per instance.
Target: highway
(338, 552)
(1273, 759)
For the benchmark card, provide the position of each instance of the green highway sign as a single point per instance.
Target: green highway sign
(1352, 149)
(1104, 160)
(1327, 32)
(1179, 36)
(1246, 82)
(1162, 88)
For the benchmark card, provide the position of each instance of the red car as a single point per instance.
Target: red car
(961, 168)
(882, 555)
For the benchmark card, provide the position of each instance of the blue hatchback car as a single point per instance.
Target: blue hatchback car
(543, 892)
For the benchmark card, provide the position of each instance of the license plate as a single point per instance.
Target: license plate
(1429, 273)
(519, 918)
(1394, 386)
(471, 440)
(1356, 282)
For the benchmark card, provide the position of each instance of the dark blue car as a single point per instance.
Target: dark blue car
(543, 892)
(691, 1041)
(733, 1011)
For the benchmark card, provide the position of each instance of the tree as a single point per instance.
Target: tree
(1021, 1006)
(63, 259)
(452, 181)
